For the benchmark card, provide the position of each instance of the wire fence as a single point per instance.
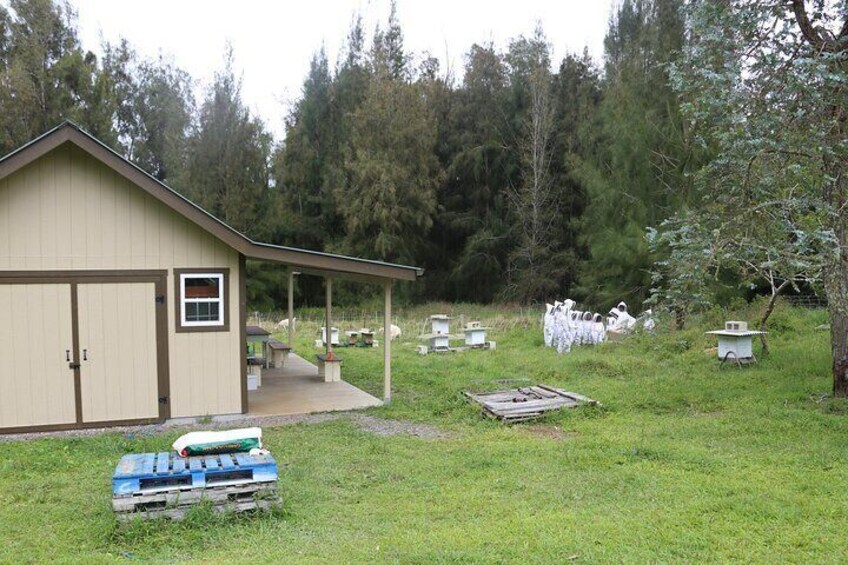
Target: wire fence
(812, 302)
(412, 321)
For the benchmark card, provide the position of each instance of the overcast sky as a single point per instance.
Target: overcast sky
(273, 42)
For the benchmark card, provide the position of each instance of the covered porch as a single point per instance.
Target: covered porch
(300, 386)
(297, 389)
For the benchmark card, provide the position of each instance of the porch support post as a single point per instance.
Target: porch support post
(387, 344)
(291, 308)
(328, 323)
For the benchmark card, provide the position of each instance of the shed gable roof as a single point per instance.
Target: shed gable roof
(308, 261)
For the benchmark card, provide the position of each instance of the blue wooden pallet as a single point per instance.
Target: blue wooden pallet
(139, 473)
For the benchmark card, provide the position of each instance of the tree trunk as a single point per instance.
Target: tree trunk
(834, 191)
(836, 286)
(769, 309)
(679, 318)
(836, 267)
(838, 335)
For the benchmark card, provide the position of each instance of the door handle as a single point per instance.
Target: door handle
(85, 354)
(71, 364)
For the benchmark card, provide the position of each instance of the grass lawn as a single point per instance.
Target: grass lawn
(683, 463)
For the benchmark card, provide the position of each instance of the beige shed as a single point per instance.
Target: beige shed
(121, 301)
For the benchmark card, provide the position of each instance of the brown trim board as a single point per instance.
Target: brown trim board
(75, 344)
(242, 304)
(163, 358)
(82, 276)
(83, 426)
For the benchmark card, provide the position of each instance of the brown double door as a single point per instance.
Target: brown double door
(80, 351)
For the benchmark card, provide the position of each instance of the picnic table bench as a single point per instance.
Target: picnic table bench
(330, 369)
(279, 353)
(256, 334)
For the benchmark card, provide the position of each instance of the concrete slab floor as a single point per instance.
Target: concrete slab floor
(297, 389)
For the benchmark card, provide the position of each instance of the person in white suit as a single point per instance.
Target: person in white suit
(565, 331)
(586, 328)
(620, 320)
(599, 332)
(548, 325)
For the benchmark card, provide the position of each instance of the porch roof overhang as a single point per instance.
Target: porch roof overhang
(303, 260)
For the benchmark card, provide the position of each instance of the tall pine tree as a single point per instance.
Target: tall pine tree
(637, 176)
(229, 158)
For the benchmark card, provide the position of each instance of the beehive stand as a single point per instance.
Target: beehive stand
(438, 341)
(153, 485)
(734, 343)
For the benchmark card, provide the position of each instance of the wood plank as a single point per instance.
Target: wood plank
(211, 463)
(573, 395)
(179, 465)
(148, 462)
(530, 405)
(162, 466)
(543, 392)
(227, 462)
(194, 496)
(180, 513)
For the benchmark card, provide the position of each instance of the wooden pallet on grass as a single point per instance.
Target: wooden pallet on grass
(166, 485)
(526, 403)
(174, 504)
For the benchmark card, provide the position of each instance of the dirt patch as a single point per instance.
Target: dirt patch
(384, 427)
(550, 432)
(378, 426)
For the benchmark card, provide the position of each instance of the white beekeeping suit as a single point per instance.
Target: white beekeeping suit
(548, 325)
(556, 330)
(586, 328)
(620, 320)
(599, 332)
(574, 323)
(565, 336)
(648, 322)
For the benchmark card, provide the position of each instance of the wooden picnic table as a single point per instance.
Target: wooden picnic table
(256, 334)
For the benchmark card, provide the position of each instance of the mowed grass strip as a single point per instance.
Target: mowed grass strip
(682, 462)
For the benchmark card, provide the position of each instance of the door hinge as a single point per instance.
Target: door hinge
(163, 400)
(160, 299)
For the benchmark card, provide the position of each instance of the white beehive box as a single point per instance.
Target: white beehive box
(475, 335)
(334, 335)
(735, 341)
(440, 324)
(440, 342)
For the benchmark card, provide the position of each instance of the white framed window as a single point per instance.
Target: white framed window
(202, 304)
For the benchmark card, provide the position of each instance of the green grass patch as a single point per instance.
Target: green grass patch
(683, 462)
